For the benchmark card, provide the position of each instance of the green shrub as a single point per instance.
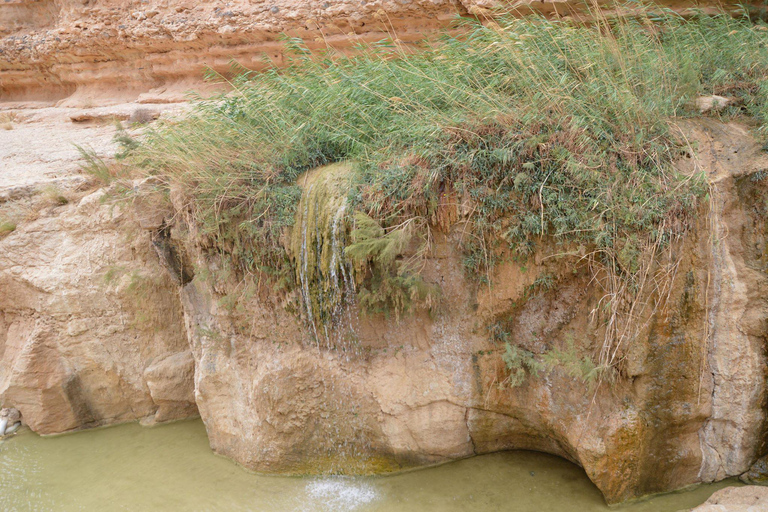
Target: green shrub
(95, 166)
(6, 227)
(520, 364)
(520, 130)
(394, 283)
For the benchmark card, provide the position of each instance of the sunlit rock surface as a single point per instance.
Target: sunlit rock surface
(736, 499)
(91, 330)
(427, 389)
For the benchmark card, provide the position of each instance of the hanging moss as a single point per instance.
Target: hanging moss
(343, 260)
(323, 273)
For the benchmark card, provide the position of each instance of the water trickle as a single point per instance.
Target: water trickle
(304, 267)
(328, 306)
(325, 274)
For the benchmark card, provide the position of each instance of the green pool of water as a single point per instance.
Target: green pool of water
(171, 468)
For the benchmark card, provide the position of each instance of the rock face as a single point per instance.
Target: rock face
(103, 318)
(687, 408)
(758, 473)
(736, 499)
(91, 331)
(737, 318)
(110, 50)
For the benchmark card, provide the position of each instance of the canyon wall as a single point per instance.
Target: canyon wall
(98, 51)
(106, 316)
(689, 405)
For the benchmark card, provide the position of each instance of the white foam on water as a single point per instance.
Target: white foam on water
(340, 494)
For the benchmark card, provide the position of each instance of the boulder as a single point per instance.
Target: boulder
(736, 499)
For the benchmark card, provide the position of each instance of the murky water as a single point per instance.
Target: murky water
(171, 468)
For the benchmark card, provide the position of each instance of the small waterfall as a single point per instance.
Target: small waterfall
(303, 267)
(328, 296)
(324, 273)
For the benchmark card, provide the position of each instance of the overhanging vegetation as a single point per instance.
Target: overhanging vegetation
(520, 129)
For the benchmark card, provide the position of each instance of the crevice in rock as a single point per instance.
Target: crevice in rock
(469, 430)
(172, 256)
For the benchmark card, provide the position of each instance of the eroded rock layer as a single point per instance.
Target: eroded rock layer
(108, 314)
(113, 50)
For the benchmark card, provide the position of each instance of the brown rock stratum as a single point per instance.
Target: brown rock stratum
(154, 50)
(87, 334)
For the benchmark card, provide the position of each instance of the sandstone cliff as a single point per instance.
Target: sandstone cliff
(103, 321)
(107, 315)
(98, 51)
(688, 408)
(90, 331)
